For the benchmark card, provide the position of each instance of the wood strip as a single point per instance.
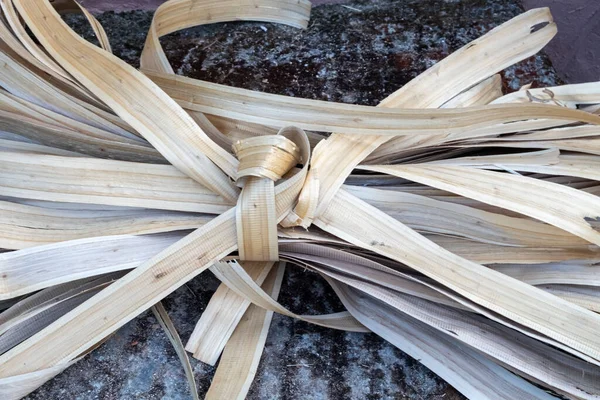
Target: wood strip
(241, 356)
(165, 322)
(280, 111)
(110, 182)
(221, 316)
(572, 95)
(234, 276)
(23, 226)
(28, 270)
(175, 15)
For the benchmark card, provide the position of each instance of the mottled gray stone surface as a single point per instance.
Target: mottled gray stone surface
(345, 55)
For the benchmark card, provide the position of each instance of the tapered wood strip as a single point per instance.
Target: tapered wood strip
(340, 153)
(485, 253)
(241, 356)
(86, 180)
(84, 208)
(479, 378)
(558, 205)
(510, 160)
(280, 111)
(165, 322)
(221, 316)
(179, 14)
(588, 146)
(234, 276)
(472, 62)
(371, 229)
(14, 146)
(576, 165)
(135, 99)
(503, 46)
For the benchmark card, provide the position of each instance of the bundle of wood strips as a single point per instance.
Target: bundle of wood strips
(459, 224)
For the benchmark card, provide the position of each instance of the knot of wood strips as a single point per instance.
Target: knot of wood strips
(268, 157)
(263, 161)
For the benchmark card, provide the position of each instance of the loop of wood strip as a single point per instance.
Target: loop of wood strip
(263, 161)
(268, 157)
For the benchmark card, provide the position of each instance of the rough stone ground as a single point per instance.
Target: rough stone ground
(345, 55)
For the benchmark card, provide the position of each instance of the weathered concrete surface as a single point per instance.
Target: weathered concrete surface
(345, 55)
(575, 51)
